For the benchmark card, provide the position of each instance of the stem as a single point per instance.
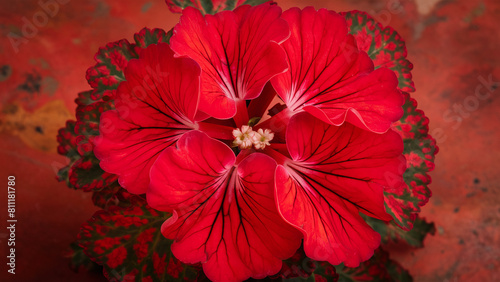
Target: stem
(216, 131)
(241, 117)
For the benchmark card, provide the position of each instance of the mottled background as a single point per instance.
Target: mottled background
(454, 45)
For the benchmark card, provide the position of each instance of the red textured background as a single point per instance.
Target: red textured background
(453, 45)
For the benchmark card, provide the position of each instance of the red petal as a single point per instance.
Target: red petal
(336, 173)
(331, 78)
(154, 107)
(224, 215)
(237, 50)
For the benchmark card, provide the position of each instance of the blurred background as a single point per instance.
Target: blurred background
(453, 44)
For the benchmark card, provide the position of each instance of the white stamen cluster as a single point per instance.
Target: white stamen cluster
(245, 137)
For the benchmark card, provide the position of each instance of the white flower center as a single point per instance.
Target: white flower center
(245, 137)
(261, 138)
(242, 137)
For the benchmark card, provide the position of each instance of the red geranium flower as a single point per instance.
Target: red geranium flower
(242, 196)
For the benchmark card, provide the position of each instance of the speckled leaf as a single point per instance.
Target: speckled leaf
(404, 203)
(111, 195)
(297, 268)
(111, 61)
(128, 243)
(397, 272)
(88, 118)
(84, 98)
(66, 138)
(147, 36)
(301, 268)
(384, 46)
(325, 272)
(391, 232)
(378, 268)
(86, 174)
(387, 49)
(78, 260)
(209, 6)
(420, 148)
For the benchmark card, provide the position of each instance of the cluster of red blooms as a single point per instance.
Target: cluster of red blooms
(259, 130)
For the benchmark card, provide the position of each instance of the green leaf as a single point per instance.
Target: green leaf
(378, 268)
(128, 243)
(384, 46)
(391, 232)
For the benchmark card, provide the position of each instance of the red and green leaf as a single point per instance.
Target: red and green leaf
(84, 171)
(378, 268)
(146, 37)
(296, 268)
(384, 46)
(392, 232)
(66, 138)
(78, 260)
(128, 243)
(111, 61)
(84, 98)
(301, 268)
(387, 49)
(419, 150)
(325, 272)
(68, 146)
(209, 6)
(112, 195)
(86, 174)
(91, 114)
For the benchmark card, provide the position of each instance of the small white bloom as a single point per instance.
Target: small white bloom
(243, 137)
(261, 138)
